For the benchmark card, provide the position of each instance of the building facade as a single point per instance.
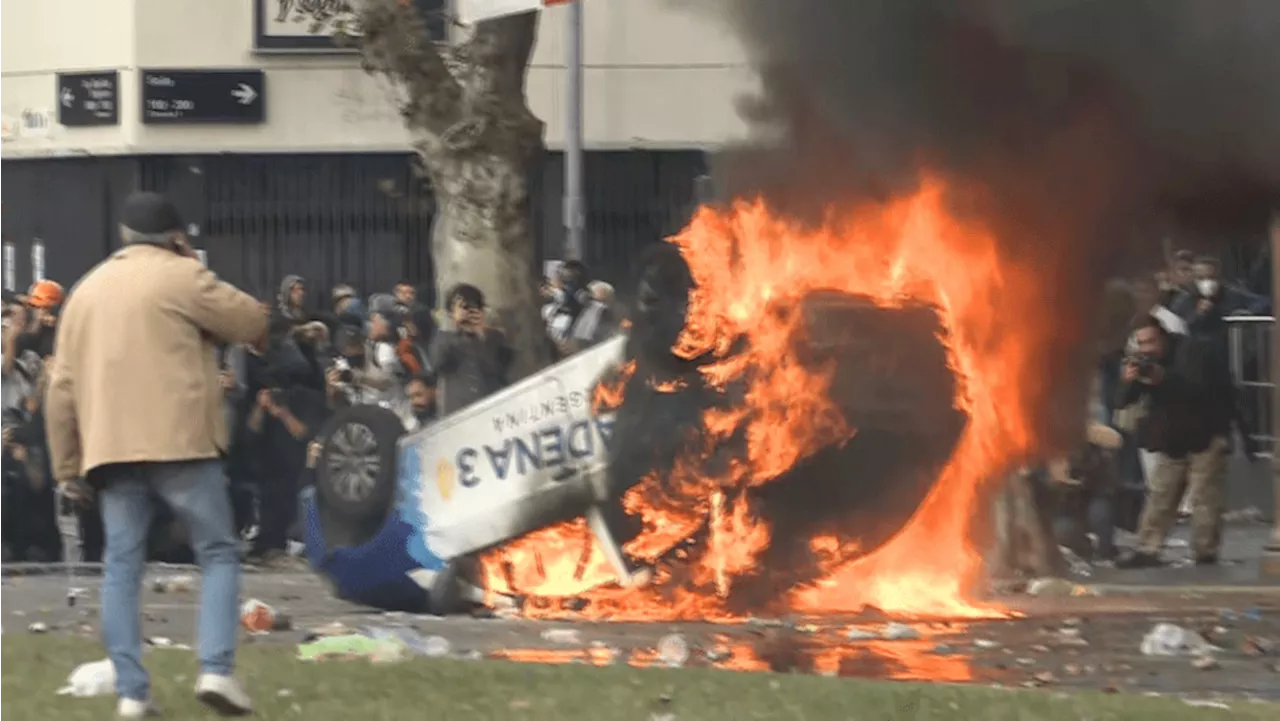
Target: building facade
(286, 157)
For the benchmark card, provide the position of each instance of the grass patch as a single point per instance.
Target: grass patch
(283, 688)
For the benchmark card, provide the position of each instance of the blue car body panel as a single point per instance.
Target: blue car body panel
(377, 573)
(541, 451)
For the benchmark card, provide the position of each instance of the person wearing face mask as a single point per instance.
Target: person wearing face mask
(1209, 297)
(567, 296)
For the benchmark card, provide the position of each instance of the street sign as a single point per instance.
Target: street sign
(203, 96)
(86, 99)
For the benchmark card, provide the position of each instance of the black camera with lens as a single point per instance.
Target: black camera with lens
(1145, 362)
(345, 374)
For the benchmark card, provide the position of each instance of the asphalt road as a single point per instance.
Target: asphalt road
(1103, 651)
(1235, 605)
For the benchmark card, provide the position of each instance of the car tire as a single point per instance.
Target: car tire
(356, 473)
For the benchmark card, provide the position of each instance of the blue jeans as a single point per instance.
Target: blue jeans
(1098, 519)
(197, 493)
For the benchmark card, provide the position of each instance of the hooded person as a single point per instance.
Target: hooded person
(290, 308)
(348, 307)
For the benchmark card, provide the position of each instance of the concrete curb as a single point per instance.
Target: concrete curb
(1121, 589)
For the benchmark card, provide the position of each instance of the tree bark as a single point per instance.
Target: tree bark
(477, 141)
(1024, 536)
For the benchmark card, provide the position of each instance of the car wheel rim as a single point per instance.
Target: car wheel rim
(353, 462)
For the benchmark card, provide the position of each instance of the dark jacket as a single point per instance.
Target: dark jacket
(1229, 300)
(468, 367)
(1194, 403)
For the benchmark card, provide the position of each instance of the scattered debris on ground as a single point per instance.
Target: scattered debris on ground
(1205, 663)
(174, 584)
(353, 646)
(568, 636)
(899, 632)
(1167, 639)
(673, 650)
(96, 678)
(259, 617)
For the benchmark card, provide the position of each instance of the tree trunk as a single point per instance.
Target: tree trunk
(1024, 537)
(482, 236)
(477, 139)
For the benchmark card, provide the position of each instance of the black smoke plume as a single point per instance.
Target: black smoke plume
(1079, 131)
(1082, 131)
(1187, 92)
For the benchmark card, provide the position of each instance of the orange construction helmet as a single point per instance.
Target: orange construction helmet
(45, 294)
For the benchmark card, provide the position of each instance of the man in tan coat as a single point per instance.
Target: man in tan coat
(134, 407)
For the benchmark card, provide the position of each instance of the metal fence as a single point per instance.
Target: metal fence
(1249, 345)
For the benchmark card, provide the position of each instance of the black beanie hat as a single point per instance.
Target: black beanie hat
(150, 214)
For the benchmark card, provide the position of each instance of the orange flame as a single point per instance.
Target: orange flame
(748, 263)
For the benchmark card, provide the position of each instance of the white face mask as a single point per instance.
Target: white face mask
(1207, 287)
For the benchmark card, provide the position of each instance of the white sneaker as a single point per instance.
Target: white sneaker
(223, 694)
(128, 708)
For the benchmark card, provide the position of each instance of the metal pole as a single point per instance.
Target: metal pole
(574, 214)
(1275, 377)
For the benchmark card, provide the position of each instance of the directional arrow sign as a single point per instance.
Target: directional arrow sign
(244, 94)
(203, 96)
(88, 98)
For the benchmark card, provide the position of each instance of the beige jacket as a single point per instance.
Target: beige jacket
(134, 376)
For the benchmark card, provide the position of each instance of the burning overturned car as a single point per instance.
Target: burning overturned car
(798, 419)
(418, 521)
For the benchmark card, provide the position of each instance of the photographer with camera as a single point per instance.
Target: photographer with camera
(353, 376)
(470, 359)
(30, 504)
(1185, 409)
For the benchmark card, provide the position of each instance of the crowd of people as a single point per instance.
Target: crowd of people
(30, 528)
(388, 349)
(1166, 413)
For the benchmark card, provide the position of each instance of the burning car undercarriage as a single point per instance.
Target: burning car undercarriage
(805, 419)
(844, 468)
(810, 444)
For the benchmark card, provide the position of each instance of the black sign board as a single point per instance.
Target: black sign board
(203, 96)
(283, 26)
(89, 98)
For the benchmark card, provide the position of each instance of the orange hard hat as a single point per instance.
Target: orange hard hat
(45, 294)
